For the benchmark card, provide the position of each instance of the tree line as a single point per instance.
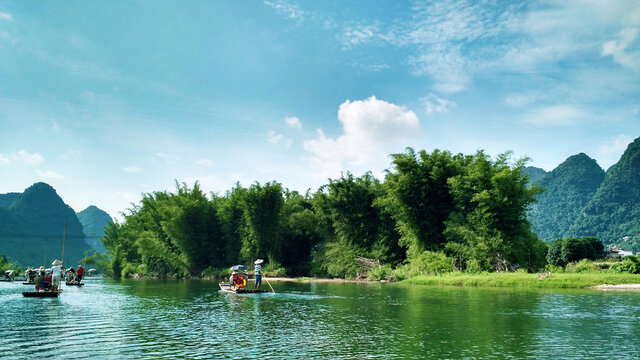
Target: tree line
(465, 211)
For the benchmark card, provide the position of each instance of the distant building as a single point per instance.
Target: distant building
(614, 252)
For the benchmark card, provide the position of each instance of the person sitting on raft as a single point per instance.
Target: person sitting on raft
(47, 280)
(70, 275)
(38, 280)
(238, 280)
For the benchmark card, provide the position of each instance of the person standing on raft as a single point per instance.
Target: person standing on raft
(258, 273)
(80, 273)
(56, 274)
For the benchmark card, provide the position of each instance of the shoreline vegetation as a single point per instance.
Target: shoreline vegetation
(598, 281)
(437, 219)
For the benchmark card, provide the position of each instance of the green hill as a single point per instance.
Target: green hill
(32, 228)
(569, 187)
(535, 174)
(93, 221)
(614, 211)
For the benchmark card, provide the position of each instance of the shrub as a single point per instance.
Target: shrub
(128, 269)
(216, 272)
(630, 264)
(274, 269)
(474, 266)
(554, 268)
(381, 272)
(427, 263)
(581, 266)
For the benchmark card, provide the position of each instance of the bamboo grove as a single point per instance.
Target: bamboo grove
(464, 212)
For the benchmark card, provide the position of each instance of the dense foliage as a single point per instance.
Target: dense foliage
(434, 212)
(564, 251)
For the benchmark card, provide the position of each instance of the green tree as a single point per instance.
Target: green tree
(192, 225)
(262, 228)
(361, 225)
(419, 196)
(490, 202)
(554, 253)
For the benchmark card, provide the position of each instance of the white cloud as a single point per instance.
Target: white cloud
(274, 138)
(5, 16)
(48, 174)
(293, 122)
(359, 35)
(615, 146)
(434, 104)
(131, 169)
(4, 160)
(555, 115)
(453, 41)
(285, 8)
(204, 163)
(622, 49)
(445, 65)
(371, 128)
(25, 157)
(55, 125)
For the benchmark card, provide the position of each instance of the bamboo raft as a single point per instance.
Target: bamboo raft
(232, 289)
(74, 284)
(42, 293)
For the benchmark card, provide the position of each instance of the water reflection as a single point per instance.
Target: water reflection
(166, 319)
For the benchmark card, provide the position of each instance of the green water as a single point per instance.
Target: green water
(192, 319)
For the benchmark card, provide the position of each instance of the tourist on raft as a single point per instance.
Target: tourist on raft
(70, 275)
(238, 280)
(258, 273)
(38, 280)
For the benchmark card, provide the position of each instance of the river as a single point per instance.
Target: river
(192, 319)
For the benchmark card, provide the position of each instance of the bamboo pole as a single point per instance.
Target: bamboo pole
(265, 279)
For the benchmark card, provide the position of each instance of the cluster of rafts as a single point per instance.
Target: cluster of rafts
(41, 279)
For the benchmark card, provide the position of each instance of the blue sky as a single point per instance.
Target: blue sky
(106, 101)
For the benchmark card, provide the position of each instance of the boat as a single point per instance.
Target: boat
(42, 293)
(28, 283)
(232, 289)
(74, 284)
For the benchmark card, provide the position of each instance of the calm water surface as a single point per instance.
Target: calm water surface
(192, 319)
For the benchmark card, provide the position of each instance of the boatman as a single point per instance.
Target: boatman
(258, 273)
(80, 273)
(56, 273)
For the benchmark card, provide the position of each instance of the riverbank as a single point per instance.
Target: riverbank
(524, 280)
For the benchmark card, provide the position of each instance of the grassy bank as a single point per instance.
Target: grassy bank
(524, 280)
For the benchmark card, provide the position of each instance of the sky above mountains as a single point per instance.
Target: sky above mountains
(109, 101)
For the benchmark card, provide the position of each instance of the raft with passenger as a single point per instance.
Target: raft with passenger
(233, 289)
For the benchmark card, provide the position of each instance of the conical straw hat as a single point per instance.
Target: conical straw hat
(56, 262)
(259, 261)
